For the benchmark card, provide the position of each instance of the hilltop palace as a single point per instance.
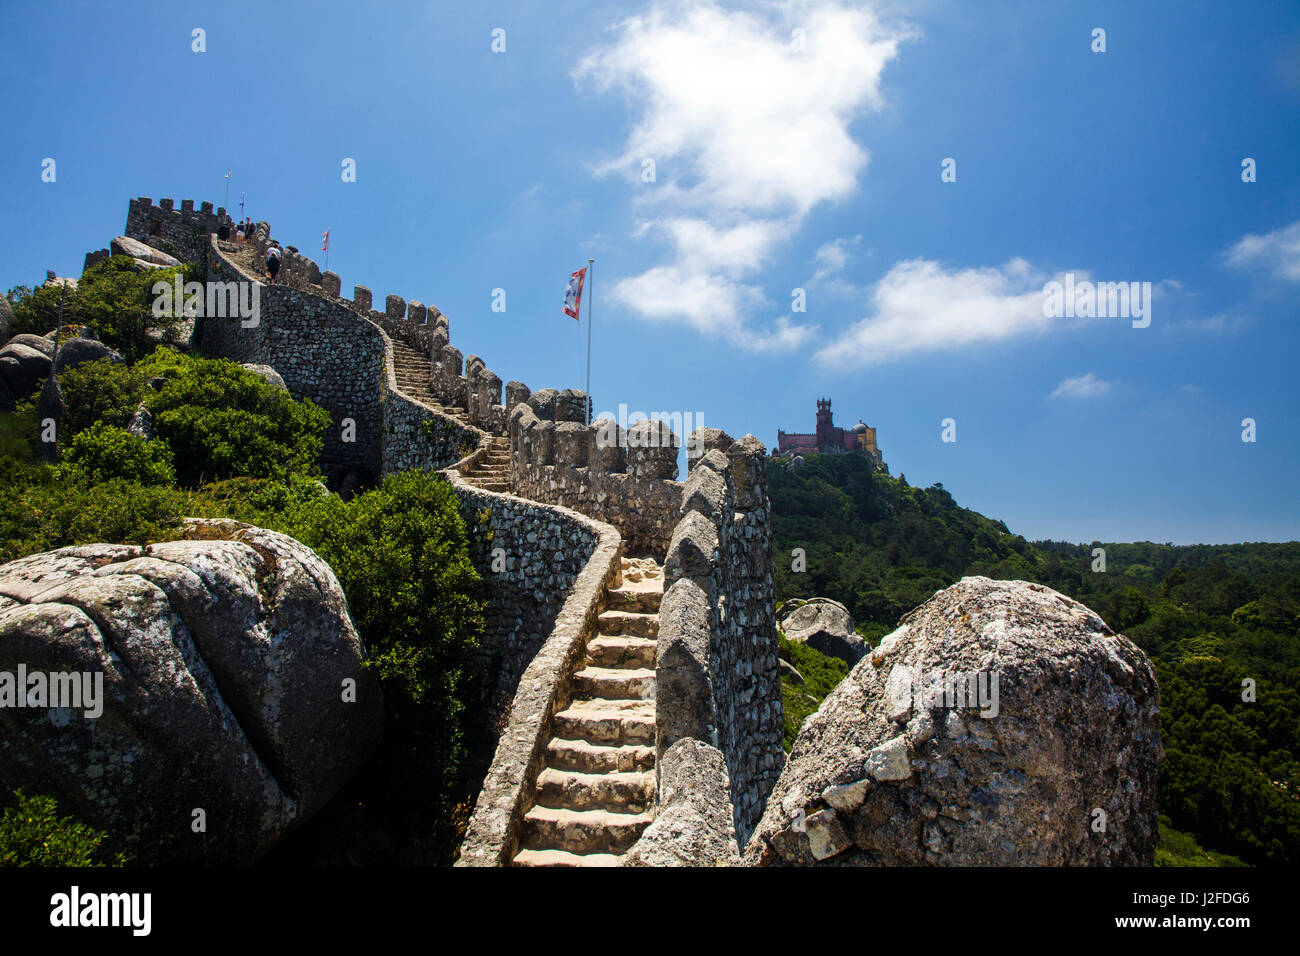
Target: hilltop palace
(830, 439)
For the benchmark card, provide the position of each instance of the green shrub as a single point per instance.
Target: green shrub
(45, 515)
(100, 391)
(103, 452)
(401, 554)
(223, 421)
(821, 674)
(261, 501)
(33, 834)
(18, 464)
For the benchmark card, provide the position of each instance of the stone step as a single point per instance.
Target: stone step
(609, 722)
(625, 792)
(620, 651)
(641, 570)
(631, 623)
(615, 683)
(633, 599)
(564, 858)
(582, 831)
(585, 757)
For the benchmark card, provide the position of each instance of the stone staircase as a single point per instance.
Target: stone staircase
(492, 473)
(596, 792)
(414, 373)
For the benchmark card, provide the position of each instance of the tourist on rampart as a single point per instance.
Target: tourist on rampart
(273, 260)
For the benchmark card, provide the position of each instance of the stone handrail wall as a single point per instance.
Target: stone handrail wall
(624, 478)
(716, 672)
(553, 556)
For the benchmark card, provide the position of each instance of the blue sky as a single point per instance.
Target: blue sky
(781, 161)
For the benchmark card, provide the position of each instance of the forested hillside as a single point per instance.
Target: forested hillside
(1214, 618)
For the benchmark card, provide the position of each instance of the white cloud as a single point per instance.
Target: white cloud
(831, 257)
(1081, 386)
(1277, 251)
(918, 306)
(747, 134)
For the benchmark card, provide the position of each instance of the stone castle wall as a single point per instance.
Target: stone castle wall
(716, 672)
(328, 353)
(582, 495)
(330, 357)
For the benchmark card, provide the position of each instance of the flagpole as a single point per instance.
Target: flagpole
(590, 269)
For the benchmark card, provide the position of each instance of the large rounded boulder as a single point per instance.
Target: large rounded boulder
(1001, 724)
(74, 352)
(144, 254)
(232, 700)
(268, 374)
(6, 318)
(823, 625)
(23, 365)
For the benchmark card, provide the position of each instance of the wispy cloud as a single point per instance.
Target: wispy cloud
(748, 132)
(1278, 252)
(919, 306)
(1081, 386)
(831, 258)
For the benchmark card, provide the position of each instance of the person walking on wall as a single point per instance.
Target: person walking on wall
(273, 260)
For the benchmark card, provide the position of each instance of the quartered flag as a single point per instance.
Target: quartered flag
(573, 294)
(325, 238)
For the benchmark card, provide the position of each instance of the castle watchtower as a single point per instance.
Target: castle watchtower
(825, 428)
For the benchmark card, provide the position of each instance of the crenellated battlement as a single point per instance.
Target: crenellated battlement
(181, 232)
(184, 234)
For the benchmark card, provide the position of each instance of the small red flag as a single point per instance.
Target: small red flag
(325, 236)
